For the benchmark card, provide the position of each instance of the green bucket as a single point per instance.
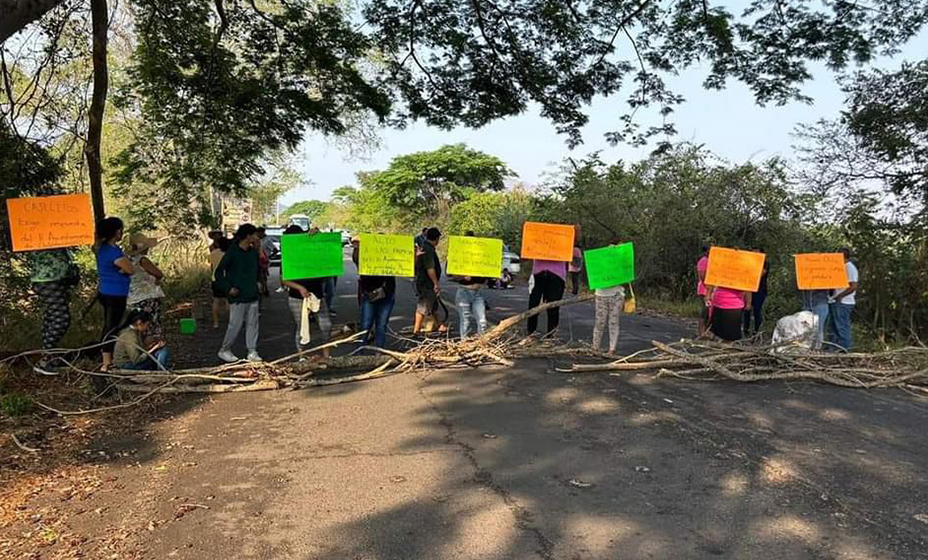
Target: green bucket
(188, 326)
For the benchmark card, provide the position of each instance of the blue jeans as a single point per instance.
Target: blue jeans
(376, 314)
(841, 325)
(821, 311)
(470, 303)
(162, 356)
(329, 290)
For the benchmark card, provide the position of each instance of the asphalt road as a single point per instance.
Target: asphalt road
(524, 462)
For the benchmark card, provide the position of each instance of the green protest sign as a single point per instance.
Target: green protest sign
(317, 255)
(610, 266)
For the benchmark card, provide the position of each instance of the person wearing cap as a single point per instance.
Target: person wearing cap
(145, 293)
(428, 276)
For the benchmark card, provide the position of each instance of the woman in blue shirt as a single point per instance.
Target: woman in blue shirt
(115, 271)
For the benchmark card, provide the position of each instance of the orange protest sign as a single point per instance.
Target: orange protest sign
(821, 271)
(731, 268)
(50, 222)
(549, 242)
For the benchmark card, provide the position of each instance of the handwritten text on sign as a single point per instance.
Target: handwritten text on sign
(311, 256)
(821, 271)
(731, 268)
(549, 242)
(475, 256)
(611, 266)
(50, 222)
(386, 255)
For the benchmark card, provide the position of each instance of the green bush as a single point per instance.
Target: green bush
(15, 404)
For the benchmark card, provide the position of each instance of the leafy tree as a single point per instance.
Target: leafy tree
(495, 214)
(215, 83)
(428, 183)
(312, 208)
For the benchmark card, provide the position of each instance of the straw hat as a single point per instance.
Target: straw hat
(139, 243)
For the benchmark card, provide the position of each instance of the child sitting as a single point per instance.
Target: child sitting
(130, 352)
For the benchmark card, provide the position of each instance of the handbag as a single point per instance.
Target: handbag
(630, 304)
(375, 295)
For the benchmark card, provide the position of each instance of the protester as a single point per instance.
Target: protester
(471, 302)
(330, 285)
(115, 271)
(145, 291)
(816, 301)
(608, 308)
(428, 287)
(133, 352)
(265, 246)
(377, 295)
(726, 307)
(220, 302)
(841, 306)
(237, 276)
(311, 289)
(756, 312)
(215, 237)
(702, 265)
(547, 284)
(53, 274)
(574, 268)
(420, 239)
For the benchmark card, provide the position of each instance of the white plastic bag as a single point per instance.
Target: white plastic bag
(796, 332)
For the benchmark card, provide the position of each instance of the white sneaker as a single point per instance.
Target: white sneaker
(254, 357)
(228, 356)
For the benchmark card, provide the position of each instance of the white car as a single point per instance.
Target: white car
(512, 263)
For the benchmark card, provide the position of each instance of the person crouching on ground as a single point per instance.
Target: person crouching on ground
(428, 275)
(131, 351)
(237, 277)
(470, 301)
(303, 289)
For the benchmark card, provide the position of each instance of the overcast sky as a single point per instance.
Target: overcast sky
(728, 122)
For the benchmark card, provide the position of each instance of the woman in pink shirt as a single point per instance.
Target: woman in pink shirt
(701, 266)
(725, 311)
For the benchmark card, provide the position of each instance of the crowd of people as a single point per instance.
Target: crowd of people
(731, 315)
(131, 297)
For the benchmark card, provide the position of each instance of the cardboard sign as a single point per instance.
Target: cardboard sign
(50, 222)
(611, 266)
(821, 271)
(549, 242)
(304, 255)
(475, 256)
(386, 255)
(731, 268)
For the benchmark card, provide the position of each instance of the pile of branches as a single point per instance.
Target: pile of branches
(303, 370)
(905, 368)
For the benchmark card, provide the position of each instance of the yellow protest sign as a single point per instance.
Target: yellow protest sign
(549, 242)
(731, 268)
(821, 271)
(386, 255)
(50, 222)
(475, 256)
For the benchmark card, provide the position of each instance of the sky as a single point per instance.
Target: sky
(727, 122)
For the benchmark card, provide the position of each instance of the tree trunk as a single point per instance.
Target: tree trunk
(100, 17)
(17, 14)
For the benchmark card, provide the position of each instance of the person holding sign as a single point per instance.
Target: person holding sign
(609, 302)
(237, 276)
(756, 310)
(377, 294)
(53, 274)
(428, 288)
(470, 300)
(816, 301)
(115, 271)
(550, 278)
(726, 307)
(841, 306)
(303, 289)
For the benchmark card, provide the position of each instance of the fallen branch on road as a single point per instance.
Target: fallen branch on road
(905, 368)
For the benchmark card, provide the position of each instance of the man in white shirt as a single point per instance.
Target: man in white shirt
(842, 306)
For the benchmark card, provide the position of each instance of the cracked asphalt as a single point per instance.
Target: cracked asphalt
(525, 462)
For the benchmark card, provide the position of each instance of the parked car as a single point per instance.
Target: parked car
(346, 238)
(274, 257)
(512, 264)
